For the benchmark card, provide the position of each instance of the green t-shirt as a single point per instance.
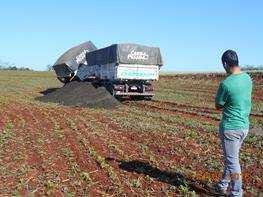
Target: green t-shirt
(234, 94)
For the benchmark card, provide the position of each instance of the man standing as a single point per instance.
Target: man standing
(234, 98)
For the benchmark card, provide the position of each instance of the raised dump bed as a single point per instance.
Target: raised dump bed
(67, 65)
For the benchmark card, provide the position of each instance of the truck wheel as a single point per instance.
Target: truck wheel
(64, 79)
(137, 98)
(148, 98)
(109, 88)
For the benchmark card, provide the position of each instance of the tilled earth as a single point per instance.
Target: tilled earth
(165, 147)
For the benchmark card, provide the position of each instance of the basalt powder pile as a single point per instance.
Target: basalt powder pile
(81, 94)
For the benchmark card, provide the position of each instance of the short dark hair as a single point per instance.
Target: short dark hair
(230, 58)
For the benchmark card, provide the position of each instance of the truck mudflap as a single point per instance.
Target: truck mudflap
(137, 89)
(119, 93)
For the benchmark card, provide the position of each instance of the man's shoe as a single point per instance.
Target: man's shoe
(219, 191)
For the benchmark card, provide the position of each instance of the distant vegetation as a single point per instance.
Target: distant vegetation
(49, 67)
(12, 66)
(252, 68)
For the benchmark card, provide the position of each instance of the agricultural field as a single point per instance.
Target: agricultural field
(165, 147)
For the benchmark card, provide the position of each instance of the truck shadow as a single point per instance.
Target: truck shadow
(49, 90)
(173, 178)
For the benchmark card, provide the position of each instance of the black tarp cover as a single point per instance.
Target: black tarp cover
(125, 54)
(71, 59)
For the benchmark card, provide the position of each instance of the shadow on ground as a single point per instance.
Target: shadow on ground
(49, 90)
(173, 178)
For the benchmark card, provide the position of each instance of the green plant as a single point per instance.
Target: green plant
(104, 165)
(57, 132)
(135, 183)
(190, 135)
(7, 133)
(50, 186)
(86, 177)
(185, 191)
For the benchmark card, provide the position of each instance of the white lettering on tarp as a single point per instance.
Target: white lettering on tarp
(81, 57)
(138, 55)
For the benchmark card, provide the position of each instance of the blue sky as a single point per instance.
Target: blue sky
(191, 34)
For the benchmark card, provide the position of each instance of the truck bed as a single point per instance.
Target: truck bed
(120, 72)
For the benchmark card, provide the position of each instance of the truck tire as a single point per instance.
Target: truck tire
(137, 98)
(148, 98)
(64, 79)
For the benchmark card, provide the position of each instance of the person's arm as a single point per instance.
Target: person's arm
(221, 96)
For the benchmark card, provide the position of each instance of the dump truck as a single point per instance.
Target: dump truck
(68, 63)
(124, 69)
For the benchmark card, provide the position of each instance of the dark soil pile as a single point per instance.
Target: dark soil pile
(80, 94)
